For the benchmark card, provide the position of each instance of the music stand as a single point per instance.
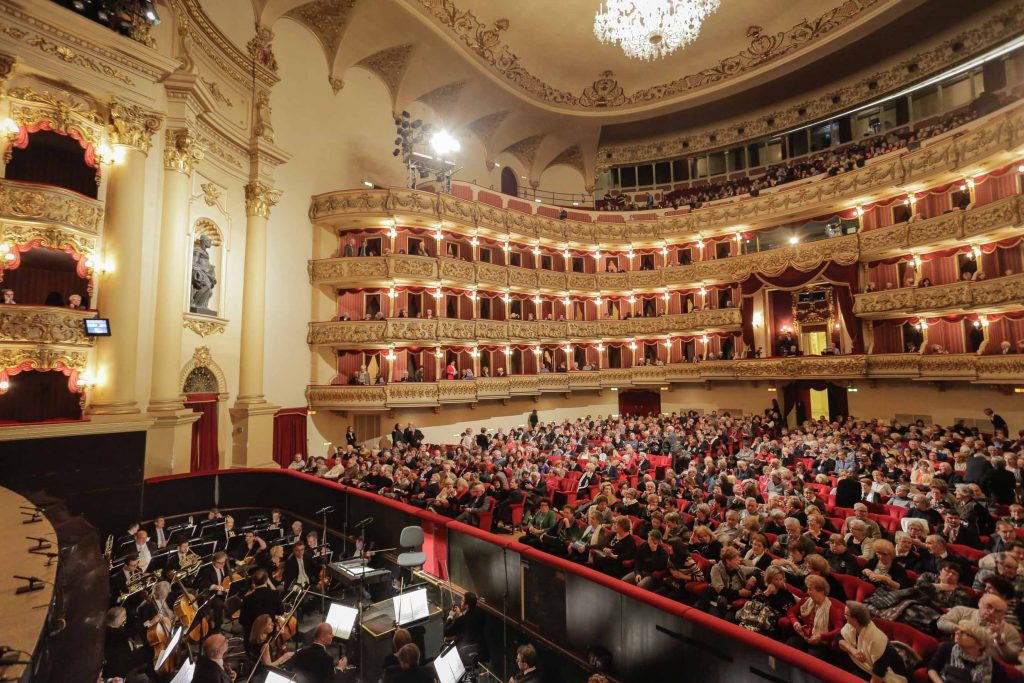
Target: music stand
(342, 619)
(171, 645)
(278, 676)
(186, 672)
(448, 665)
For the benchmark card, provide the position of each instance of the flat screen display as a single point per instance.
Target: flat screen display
(97, 327)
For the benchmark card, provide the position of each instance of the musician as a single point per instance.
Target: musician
(465, 625)
(129, 537)
(183, 558)
(299, 569)
(155, 607)
(261, 631)
(252, 550)
(124, 577)
(261, 598)
(227, 533)
(211, 580)
(277, 522)
(144, 548)
(214, 513)
(210, 666)
(122, 656)
(296, 534)
(313, 663)
(159, 534)
(408, 669)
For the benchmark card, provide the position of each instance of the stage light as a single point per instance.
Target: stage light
(794, 240)
(443, 142)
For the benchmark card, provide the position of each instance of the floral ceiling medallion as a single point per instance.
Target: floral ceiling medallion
(651, 29)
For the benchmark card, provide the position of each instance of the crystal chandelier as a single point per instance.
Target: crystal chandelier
(651, 29)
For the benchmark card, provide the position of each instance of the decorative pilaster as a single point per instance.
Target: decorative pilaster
(131, 133)
(181, 152)
(260, 198)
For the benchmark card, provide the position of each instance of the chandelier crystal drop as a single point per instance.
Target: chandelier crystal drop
(651, 29)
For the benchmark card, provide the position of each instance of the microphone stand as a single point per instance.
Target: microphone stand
(362, 590)
(276, 631)
(323, 541)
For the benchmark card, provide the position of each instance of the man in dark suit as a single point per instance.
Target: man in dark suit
(465, 626)
(998, 423)
(413, 436)
(211, 580)
(299, 569)
(264, 599)
(526, 662)
(313, 663)
(408, 669)
(123, 576)
(210, 665)
(479, 502)
(955, 531)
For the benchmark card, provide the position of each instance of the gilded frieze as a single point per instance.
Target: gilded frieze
(44, 325)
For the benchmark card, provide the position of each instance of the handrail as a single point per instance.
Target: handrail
(729, 632)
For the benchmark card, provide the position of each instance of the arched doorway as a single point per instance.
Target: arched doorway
(201, 396)
(639, 402)
(509, 183)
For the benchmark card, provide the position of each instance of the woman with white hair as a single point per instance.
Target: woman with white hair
(965, 660)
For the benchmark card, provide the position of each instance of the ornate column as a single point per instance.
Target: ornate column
(252, 416)
(120, 295)
(171, 435)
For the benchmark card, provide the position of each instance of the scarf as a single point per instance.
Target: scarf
(980, 669)
(820, 624)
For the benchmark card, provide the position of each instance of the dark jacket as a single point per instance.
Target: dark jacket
(208, 671)
(313, 664)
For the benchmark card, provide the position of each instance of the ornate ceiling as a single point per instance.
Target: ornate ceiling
(530, 79)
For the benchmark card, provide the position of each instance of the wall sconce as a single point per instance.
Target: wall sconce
(4, 386)
(702, 291)
(704, 339)
(630, 254)
(472, 295)
(700, 243)
(474, 352)
(567, 348)
(392, 293)
(631, 299)
(473, 241)
(506, 298)
(785, 329)
(794, 240)
(390, 357)
(975, 251)
(970, 183)
(8, 254)
(921, 326)
(757, 319)
(665, 295)
(632, 346)
(859, 211)
(506, 247)
(667, 343)
(981, 322)
(836, 327)
(597, 255)
(598, 300)
(438, 353)
(10, 131)
(600, 347)
(536, 350)
(536, 250)
(507, 350)
(86, 380)
(565, 254)
(738, 237)
(664, 251)
(1020, 169)
(910, 200)
(438, 293)
(537, 300)
(438, 235)
(567, 302)
(917, 261)
(392, 233)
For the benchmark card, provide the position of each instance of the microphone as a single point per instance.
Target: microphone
(43, 543)
(368, 520)
(329, 508)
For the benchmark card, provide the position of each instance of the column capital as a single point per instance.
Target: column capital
(181, 150)
(260, 198)
(132, 125)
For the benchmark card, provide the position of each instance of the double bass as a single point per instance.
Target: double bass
(185, 609)
(158, 635)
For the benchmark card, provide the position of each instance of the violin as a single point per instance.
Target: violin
(286, 630)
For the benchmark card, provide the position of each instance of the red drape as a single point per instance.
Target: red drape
(639, 402)
(995, 187)
(205, 455)
(289, 435)
(948, 335)
(38, 396)
(888, 339)
(941, 271)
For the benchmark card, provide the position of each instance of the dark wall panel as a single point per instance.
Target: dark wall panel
(99, 476)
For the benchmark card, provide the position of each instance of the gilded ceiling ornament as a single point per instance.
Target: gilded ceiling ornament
(66, 54)
(217, 93)
(336, 84)
(444, 99)
(132, 125)
(260, 50)
(181, 151)
(204, 227)
(203, 327)
(7, 63)
(604, 92)
(260, 198)
(327, 19)
(526, 149)
(571, 157)
(485, 126)
(389, 64)
(211, 193)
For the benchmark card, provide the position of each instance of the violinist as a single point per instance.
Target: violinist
(277, 562)
(262, 631)
(251, 551)
(122, 656)
(260, 598)
(211, 579)
(277, 522)
(296, 533)
(299, 570)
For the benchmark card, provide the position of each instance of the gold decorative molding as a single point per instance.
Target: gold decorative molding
(260, 198)
(67, 54)
(202, 358)
(203, 325)
(983, 296)
(390, 64)
(260, 50)
(205, 227)
(995, 30)
(32, 202)
(181, 150)
(211, 193)
(132, 125)
(327, 20)
(43, 358)
(44, 325)
(7, 64)
(65, 112)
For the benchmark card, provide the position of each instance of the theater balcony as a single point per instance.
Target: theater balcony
(981, 297)
(370, 333)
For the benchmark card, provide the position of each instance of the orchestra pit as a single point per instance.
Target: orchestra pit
(467, 341)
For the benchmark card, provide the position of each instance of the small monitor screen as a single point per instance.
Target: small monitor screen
(341, 618)
(411, 606)
(97, 327)
(449, 667)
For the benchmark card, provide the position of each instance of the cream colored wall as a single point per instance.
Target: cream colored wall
(958, 400)
(562, 179)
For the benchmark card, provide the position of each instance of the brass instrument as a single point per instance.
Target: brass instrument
(108, 550)
(138, 581)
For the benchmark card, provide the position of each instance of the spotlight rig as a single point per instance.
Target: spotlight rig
(123, 16)
(413, 138)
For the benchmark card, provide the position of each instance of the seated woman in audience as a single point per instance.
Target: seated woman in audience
(818, 566)
(730, 580)
(907, 553)
(867, 648)
(794, 563)
(620, 548)
(757, 555)
(816, 532)
(883, 570)
(682, 569)
(840, 559)
(943, 590)
(965, 658)
(769, 604)
(816, 620)
(703, 542)
(650, 564)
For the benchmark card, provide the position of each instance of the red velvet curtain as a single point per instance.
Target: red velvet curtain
(995, 187)
(888, 339)
(42, 271)
(941, 271)
(884, 274)
(52, 158)
(948, 335)
(289, 435)
(931, 205)
(844, 279)
(205, 455)
(639, 402)
(38, 396)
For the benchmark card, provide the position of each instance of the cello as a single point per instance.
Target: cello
(185, 609)
(158, 635)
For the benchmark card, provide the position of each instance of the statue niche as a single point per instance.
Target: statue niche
(204, 277)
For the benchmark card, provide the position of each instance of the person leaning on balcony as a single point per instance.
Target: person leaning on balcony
(8, 297)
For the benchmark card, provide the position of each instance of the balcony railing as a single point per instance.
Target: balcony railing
(981, 224)
(961, 367)
(982, 296)
(44, 325)
(52, 205)
(439, 331)
(982, 145)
